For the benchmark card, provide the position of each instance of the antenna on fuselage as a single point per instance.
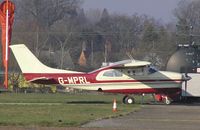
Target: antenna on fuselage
(130, 56)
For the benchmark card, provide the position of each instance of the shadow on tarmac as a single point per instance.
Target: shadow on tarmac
(88, 102)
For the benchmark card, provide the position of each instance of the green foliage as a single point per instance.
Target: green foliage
(23, 83)
(58, 109)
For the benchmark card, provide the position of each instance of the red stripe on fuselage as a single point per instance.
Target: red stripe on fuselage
(148, 90)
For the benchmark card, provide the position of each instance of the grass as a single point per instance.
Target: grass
(58, 109)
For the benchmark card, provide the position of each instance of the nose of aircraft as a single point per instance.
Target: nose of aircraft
(174, 75)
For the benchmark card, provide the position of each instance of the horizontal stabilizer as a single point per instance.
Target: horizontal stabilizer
(43, 80)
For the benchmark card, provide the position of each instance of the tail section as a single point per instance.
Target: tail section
(28, 63)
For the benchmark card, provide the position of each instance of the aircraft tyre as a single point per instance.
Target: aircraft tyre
(128, 100)
(123, 100)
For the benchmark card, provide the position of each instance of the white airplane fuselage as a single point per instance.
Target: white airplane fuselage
(127, 77)
(157, 82)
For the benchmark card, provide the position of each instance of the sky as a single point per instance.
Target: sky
(159, 9)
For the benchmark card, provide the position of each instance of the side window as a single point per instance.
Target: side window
(118, 73)
(131, 72)
(113, 73)
(108, 74)
(135, 72)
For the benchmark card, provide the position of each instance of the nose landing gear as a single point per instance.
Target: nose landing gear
(163, 98)
(167, 101)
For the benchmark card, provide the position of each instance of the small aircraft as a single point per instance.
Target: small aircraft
(124, 77)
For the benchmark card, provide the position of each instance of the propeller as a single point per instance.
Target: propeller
(186, 78)
(186, 75)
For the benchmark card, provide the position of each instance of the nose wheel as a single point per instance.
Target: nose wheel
(128, 100)
(167, 101)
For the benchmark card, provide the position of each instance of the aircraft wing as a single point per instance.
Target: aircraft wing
(126, 64)
(43, 80)
(129, 64)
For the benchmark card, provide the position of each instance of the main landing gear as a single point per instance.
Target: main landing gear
(158, 97)
(128, 100)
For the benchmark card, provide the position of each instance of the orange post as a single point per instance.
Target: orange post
(6, 20)
(6, 64)
(114, 105)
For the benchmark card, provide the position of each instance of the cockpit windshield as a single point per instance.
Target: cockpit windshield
(152, 69)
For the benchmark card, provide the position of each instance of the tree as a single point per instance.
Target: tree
(93, 16)
(64, 32)
(104, 26)
(127, 31)
(46, 12)
(188, 17)
(54, 28)
(37, 16)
